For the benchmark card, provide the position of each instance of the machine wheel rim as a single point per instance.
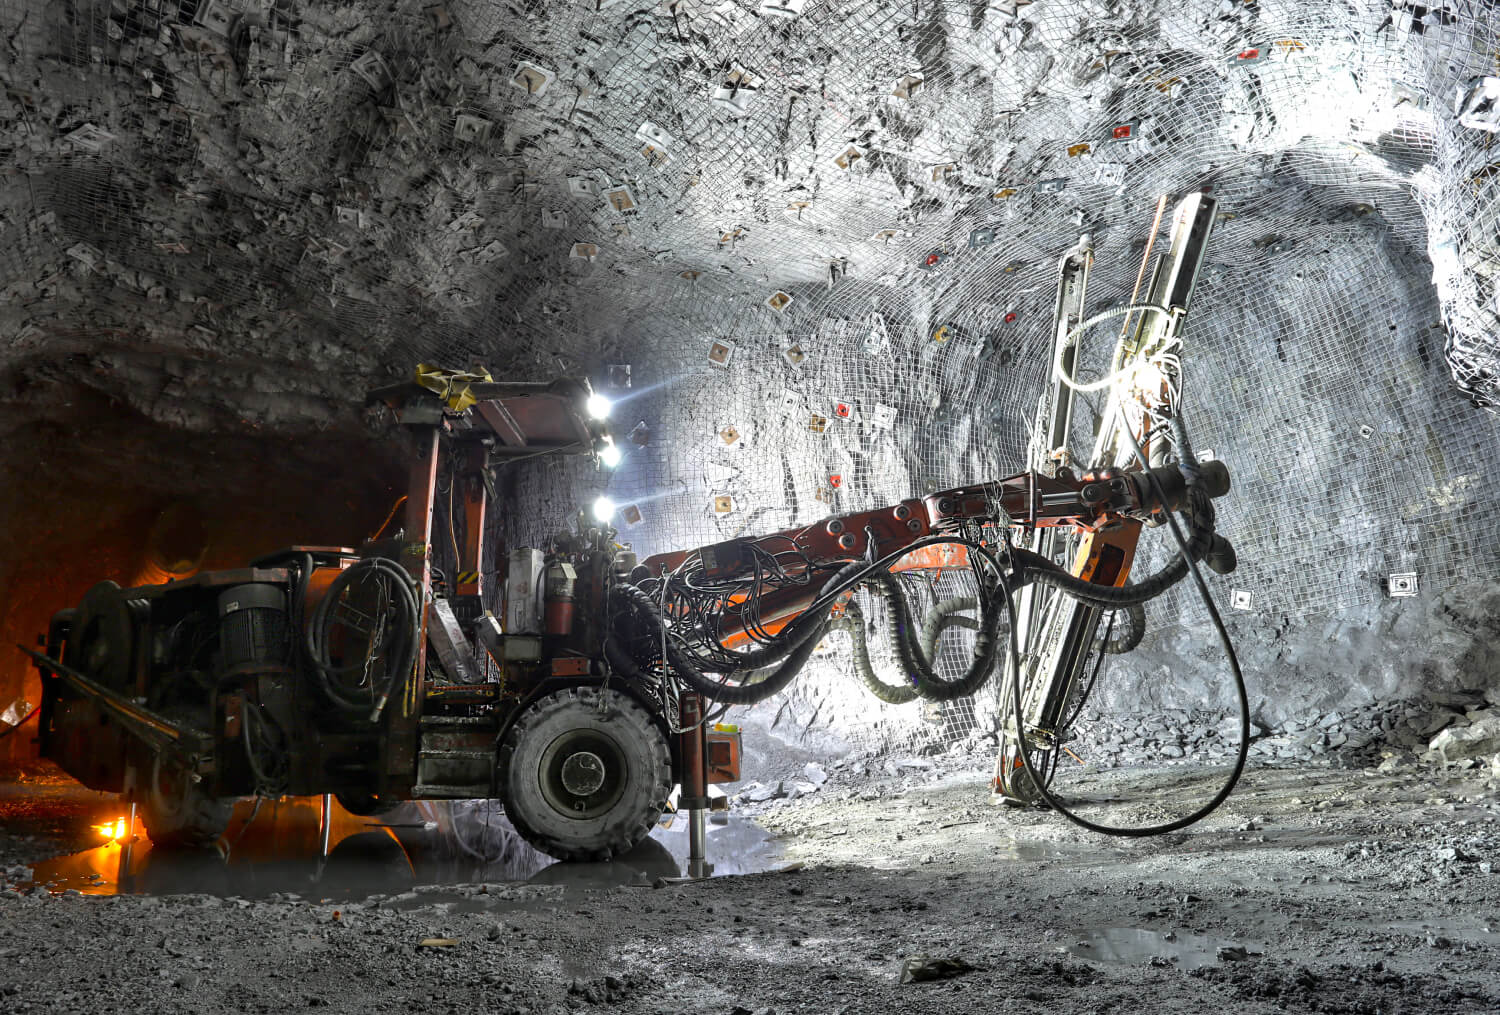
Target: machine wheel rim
(566, 767)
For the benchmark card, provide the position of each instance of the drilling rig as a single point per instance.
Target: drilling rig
(376, 674)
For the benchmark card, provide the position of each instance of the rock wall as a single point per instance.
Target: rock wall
(824, 237)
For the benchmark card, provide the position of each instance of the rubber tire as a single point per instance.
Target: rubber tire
(180, 815)
(629, 818)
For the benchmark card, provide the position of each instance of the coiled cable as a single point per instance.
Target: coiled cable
(397, 643)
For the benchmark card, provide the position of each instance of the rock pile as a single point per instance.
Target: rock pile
(1458, 731)
(1452, 729)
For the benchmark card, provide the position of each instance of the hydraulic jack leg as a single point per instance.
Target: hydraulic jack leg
(694, 797)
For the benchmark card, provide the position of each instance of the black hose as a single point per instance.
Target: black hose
(621, 661)
(853, 621)
(940, 618)
(748, 692)
(944, 615)
(299, 604)
(1200, 517)
(401, 647)
(790, 638)
(1128, 641)
(928, 685)
(797, 641)
(266, 782)
(1190, 469)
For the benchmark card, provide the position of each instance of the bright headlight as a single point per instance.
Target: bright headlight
(604, 509)
(609, 454)
(598, 406)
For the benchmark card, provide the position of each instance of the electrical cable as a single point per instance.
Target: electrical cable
(255, 726)
(748, 692)
(231, 845)
(1080, 328)
(1190, 469)
(394, 507)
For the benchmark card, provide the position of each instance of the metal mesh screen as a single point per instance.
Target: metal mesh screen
(822, 234)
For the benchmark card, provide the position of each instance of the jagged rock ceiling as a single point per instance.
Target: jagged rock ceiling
(236, 216)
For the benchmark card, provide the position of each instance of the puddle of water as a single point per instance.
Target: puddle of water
(738, 847)
(1467, 933)
(419, 843)
(1133, 946)
(1042, 849)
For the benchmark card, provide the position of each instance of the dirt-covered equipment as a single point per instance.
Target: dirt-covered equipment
(378, 675)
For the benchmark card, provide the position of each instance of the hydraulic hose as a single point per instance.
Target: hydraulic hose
(795, 645)
(299, 603)
(1200, 521)
(918, 670)
(791, 638)
(686, 667)
(401, 647)
(941, 616)
(853, 621)
(1121, 644)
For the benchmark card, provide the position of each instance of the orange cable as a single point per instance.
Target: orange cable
(394, 507)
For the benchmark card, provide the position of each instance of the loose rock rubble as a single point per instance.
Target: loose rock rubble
(1319, 887)
(1453, 728)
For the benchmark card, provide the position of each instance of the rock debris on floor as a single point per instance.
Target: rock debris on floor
(1322, 886)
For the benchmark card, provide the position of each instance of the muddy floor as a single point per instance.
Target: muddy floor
(1317, 888)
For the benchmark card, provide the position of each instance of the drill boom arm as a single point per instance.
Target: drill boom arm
(1029, 500)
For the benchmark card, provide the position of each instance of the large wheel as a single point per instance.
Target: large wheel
(175, 809)
(584, 774)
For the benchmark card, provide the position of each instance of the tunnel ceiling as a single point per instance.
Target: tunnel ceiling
(239, 215)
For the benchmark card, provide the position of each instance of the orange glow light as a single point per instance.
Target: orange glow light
(115, 829)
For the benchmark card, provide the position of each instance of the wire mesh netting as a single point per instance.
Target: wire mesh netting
(823, 235)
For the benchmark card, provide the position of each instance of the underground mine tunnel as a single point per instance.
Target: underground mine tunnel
(749, 507)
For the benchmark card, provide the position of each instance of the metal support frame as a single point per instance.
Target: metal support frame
(470, 578)
(1057, 631)
(402, 723)
(1045, 617)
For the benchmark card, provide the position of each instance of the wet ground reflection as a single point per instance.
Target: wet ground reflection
(1133, 946)
(418, 843)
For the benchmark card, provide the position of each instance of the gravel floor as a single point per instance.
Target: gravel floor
(1316, 888)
